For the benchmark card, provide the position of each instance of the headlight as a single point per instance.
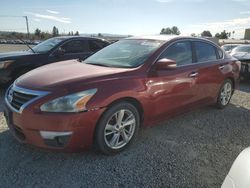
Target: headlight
(70, 103)
(5, 64)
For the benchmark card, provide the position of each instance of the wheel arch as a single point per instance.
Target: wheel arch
(130, 100)
(233, 82)
(134, 102)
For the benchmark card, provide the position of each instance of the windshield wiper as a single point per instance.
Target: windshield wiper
(98, 64)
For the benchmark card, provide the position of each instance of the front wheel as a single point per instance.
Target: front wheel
(117, 128)
(225, 94)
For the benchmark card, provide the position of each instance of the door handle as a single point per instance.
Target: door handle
(221, 67)
(193, 74)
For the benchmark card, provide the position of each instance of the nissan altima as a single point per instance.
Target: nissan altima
(104, 100)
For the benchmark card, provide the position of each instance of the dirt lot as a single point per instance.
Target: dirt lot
(12, 47)
(193, 150)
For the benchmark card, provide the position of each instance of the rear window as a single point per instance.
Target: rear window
(95, 45)
(205, 52)
(76, 46)
(220, 53)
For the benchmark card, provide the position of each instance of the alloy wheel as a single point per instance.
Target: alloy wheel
(119, 129)
(226, 93)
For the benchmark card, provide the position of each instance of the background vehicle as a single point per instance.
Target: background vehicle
(106, 98)
(229, 47)
(14, 64)
(238, 176)
(242, 53)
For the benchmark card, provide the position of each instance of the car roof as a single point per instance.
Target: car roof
(167, 38)
(155, 37)
(231, 44)
(244, 45)
(79, 37)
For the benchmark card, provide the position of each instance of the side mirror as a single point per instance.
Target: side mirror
(165, 64)
(59, 52)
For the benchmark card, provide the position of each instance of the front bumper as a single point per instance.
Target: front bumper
(245, 69)
(68, 131)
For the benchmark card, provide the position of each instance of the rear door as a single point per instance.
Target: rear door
(210, 65)
(76, 49)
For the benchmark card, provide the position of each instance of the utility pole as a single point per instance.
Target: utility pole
(27, 25)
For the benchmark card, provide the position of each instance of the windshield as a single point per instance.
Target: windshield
(226, 48)
(229, 47)
(242, 49)
(47, 45)
(128, 53)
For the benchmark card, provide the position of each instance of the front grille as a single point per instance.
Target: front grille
(245, 67)
(19, 99)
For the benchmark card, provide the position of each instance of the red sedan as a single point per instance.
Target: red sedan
(104, 100)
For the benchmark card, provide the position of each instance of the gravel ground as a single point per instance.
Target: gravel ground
(193, 150)
(13, 47)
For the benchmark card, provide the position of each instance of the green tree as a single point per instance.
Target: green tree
(175, 30)
(223, 35)
(38, 33)
(76, 33)
(206, 34)
(170, 31)
(193, 35)
(45, 35)
(166, 31)
(99, 35)
(42, 35)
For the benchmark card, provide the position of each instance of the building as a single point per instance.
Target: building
(247, 34)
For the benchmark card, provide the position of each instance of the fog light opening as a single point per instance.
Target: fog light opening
(55, 139)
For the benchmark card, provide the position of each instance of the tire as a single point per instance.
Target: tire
(225, 94)
(112, 134)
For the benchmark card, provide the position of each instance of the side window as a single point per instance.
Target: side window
(75, 46)
(205, 52)
(181, 52)
(96, 45)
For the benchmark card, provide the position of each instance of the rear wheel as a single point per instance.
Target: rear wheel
(117, 128)
(225, 94)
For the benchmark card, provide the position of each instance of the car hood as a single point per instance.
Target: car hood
(241, 55)
(65, 74)
(7, 55)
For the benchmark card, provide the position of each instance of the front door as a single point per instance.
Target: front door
(173, 91)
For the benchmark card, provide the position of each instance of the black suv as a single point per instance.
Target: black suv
(15, 64)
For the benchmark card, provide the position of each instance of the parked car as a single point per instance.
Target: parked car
(238, 176)
(3, 41)
(14, 64)
(229, 47)
(242, 53)
(106, 98)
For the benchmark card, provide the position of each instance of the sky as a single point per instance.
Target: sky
(127, 17)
